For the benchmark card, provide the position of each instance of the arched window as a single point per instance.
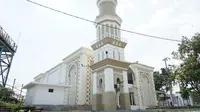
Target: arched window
(100, 82)
(131, 76)
(106, 54)
(119, 55)
(115, 53)
(118, 81)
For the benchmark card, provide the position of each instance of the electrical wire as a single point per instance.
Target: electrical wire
(13, 87)
(128, 31)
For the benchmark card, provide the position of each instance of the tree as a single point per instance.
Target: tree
(188, 73)
(6, 94)
(158, 81)
(162, 84)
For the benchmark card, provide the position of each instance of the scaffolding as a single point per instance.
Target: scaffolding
(7, 50)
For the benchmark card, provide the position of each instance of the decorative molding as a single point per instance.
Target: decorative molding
(88, 81)
(111, 62)
(76, 63)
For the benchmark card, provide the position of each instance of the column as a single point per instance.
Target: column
(109, 80)
(153, 93)
(125, 79)
(94, 85)
(109, 96)
(137, 75)
(96, 98)
(124, 97)
(82, 77)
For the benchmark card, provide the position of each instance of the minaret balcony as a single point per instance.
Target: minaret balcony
(109, 39)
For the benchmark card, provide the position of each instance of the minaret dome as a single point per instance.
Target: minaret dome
(107, 7)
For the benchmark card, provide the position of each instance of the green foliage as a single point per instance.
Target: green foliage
(7, 100)
(159, 81)
(162, 83)
(184, 93)
(188, 74)
(13, 107)
(195, 104)
(6, 94)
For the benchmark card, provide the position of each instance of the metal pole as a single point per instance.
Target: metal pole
(13, 84)
(1, 73)
(21, 92)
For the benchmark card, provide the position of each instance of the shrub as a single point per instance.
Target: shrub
(11, 106)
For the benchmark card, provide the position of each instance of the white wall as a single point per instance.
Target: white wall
(44, 97)
(62, 74)
(52, 76)
(57, 75)
(30, 96)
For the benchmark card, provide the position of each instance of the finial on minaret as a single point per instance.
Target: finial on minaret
(107, 7)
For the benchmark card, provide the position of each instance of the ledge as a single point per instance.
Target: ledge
(108, 40)
(112, 62)
(31, 84)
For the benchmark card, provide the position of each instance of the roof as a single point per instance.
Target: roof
(141, 66)
(38, 76)
(41, 74)
(78, 52)
(32, 84)
(69, 57)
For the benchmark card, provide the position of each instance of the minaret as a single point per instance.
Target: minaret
(109, 62)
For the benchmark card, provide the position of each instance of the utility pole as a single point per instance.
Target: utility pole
(167, 70)
(21, 91)
(13, 84)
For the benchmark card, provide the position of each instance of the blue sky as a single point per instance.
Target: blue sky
(47, 37)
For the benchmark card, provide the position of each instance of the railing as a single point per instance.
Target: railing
(109, 36)
(7, 39)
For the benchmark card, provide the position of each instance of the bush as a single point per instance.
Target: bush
(11, 106)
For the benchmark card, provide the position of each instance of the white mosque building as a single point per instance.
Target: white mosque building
(100, 77)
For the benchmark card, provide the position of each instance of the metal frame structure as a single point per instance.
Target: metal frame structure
(7, 50)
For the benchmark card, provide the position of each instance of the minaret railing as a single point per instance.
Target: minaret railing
(108, 35)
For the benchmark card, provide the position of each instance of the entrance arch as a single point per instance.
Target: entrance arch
(131, 78)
